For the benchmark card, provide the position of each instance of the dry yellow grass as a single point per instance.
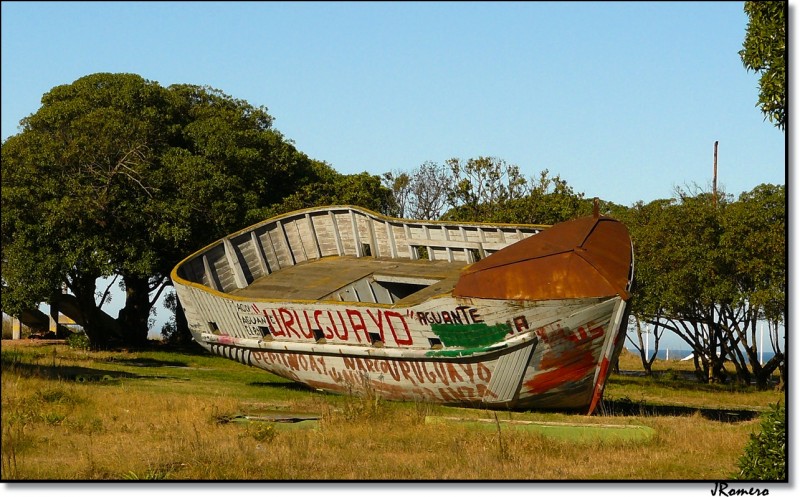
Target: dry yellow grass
(170, 426)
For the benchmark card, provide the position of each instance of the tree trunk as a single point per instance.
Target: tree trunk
(718, 372)
(700, 370)
(134, 317)
(763, 374)
(101, 329)
(647, 365)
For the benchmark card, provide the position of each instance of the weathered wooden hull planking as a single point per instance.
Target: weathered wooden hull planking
(443, 337)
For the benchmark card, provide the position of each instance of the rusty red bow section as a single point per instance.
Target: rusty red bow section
(586, 257)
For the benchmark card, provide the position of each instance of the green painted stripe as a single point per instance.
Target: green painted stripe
(462, 352)
(470, 335)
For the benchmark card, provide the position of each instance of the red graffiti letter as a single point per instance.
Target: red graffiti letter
(288, 322)
(378, 322)
(405, 341)
(357, 323)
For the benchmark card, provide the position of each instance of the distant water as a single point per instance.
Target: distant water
(677, 354)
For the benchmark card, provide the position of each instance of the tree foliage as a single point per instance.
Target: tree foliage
(482, 187)
(764, 52)
(753, 243)
(421, 193)
(117, 175)
(548, 200)
(76, 191)
(332, 188)
(485, 189)
(711, 273)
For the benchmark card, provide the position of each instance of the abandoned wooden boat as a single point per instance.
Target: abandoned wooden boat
(345, 300)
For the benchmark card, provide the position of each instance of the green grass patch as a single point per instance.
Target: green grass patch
(570, 432)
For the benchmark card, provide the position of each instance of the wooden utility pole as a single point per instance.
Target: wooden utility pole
(716, 144)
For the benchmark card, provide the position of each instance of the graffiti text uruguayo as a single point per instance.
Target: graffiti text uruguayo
(345, 325)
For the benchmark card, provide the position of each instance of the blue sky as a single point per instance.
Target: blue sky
(622, 100)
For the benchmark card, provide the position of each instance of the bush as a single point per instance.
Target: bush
(78, 341)
(764, 456)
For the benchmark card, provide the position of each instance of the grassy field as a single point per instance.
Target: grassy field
(156, 415)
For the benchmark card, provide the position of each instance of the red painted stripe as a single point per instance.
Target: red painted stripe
(600, 385)
(570, 372)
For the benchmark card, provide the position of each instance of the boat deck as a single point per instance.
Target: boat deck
(321, 279)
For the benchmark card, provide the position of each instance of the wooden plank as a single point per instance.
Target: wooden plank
(412, 250)
(313, 234)
(326, 236)
(234, 264)
(455, 244)
(382, 295)
(294, 237)
(243, 247)
(356, 236)
(376, 250)
(210, 275)
(426, 234)
(262, 259)
(447, 239)
(317, 278)
(502, 235)
(222, 269)
(274, 250)
(508, 374)
(286, 243)
(339, 246)
(390, 239)
(467, 253)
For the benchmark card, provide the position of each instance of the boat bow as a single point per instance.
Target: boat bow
(586, 257)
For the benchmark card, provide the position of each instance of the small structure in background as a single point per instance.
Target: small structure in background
(64, 315)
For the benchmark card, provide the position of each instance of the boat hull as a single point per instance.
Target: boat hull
(500, 337)
(552, 355)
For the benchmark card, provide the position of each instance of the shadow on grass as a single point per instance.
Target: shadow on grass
(72, 373)
(12, 364)
(144, 362)
(286, 385)
(670, 374)
(627, 407)
(674, 380)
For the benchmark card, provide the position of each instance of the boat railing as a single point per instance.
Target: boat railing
(239, 259)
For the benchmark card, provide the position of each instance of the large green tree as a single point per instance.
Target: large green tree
(753, 244)
(764, 52)
(710, 273)
(677, 266)
(118, 176)
(76, 191)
